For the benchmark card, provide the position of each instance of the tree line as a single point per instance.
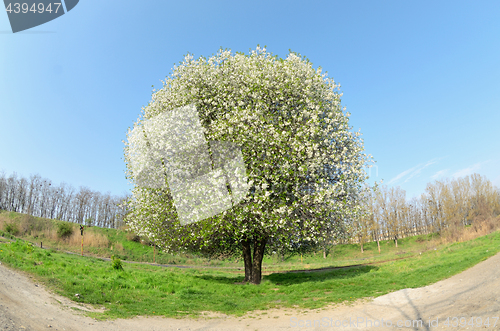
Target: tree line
(39, 197)
(446, 205)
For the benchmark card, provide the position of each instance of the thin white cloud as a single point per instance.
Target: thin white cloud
(419, 170)
(439, 174)
(401, 175)
(467, 171)
(412, 172)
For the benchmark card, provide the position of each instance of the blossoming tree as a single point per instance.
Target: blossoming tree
(304, 167)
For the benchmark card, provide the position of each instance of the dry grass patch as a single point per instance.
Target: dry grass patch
(480, 227)
(90, 239)
(117, 246)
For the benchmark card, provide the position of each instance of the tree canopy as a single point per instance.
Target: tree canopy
(304, 165)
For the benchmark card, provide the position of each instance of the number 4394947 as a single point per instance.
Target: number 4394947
(39, 8)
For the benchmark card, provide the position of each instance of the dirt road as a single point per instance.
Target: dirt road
(475, 293)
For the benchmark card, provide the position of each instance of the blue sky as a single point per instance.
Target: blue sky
(420, 78)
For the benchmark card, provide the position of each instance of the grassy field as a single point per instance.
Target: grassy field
(98, 242)
(103, 242)
(141, 289)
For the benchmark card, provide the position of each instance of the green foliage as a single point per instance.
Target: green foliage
(64, 230)
(6, 235)
(117, 263)
(23, 246)
(12, 228)
(28, 247)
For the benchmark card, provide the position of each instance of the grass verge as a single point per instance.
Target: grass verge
(172, 292)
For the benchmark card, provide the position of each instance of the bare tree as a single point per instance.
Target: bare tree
(39, 197)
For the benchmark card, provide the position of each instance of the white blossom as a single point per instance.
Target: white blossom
(303, 164)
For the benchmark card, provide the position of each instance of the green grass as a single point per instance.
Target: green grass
(119, 245)
(341, 255)
(150, 290)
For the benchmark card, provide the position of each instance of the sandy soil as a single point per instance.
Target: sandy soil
(26, 305)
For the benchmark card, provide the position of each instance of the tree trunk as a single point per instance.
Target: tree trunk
(324, 252)
(378, 245)
(362, 247)
(253, 263)
(247, 258)
(258, 254)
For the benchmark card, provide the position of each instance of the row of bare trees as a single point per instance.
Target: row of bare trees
(38, 196)
(388, 214)
(446, 204)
